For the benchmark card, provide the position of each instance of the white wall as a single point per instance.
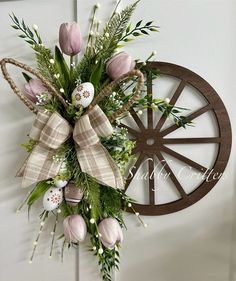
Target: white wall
(194, 244)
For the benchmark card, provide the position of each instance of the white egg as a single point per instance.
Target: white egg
(52, 198)
(60, 183)
(83, 94)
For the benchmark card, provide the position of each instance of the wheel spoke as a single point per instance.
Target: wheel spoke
(172, 175)
(173, 101)
(135, 169)
(149, 110)
(137, 119)
(184, 159)
(190, 117)
(130, 130)
(151, 181)
(191, 140)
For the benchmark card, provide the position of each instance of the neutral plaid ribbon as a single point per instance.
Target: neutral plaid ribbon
(93, 157)
(51, 131)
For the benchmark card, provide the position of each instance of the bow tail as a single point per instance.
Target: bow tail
(40, 166)
(97, 162)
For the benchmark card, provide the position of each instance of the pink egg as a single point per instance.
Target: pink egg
(73, 194)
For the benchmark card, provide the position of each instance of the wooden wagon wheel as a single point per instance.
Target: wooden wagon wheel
(155, 151)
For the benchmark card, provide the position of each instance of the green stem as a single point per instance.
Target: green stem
(90, 28)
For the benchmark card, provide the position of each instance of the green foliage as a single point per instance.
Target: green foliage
(96, 74)
(111, 202)
(29, 145)
(139, 30)
(93, 197)
(108, 260)
(32, 37)
(38, 192)
(115, 29)
(105, 44)
(120, 148)
(63, 71)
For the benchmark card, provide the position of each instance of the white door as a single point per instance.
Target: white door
(197, 243)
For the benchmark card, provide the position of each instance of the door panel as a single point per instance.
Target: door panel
(194, 244)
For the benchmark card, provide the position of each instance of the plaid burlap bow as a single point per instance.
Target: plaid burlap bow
(51, 131)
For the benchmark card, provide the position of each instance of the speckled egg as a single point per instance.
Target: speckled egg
(83, 94)
(73, 195)
(52, 198)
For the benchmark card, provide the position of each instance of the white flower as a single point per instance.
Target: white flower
(59, 211)
(129, 205)
(42, 223)
(145, 225)
(154, 53)
(62, 90)
(167, 100)
(52, 233)
(144, 63)
(140, 112)
(94, 248)
(92, 221)
(30, 261)
(100, 251)
(52, 61)
(56, 75)
(91, 33)
(98, 5)
(35, 243)
(137, 214)
(35, 27)
(107, 34)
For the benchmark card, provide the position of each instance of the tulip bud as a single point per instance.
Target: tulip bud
(75, 229)
(111, 232)
(120, 64)
(70, 38)
(36, 91)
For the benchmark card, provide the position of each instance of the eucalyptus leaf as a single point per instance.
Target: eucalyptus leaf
(138, 23)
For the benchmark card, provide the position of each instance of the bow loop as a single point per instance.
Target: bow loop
(100, 122)
(51, 131)
(55, 132)
(84, 134)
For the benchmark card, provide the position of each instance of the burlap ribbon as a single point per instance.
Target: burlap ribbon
(51, 131)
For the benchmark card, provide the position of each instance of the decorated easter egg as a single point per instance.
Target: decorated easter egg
(83, 94)
(52, 198)
(73, 194)
(60, 183)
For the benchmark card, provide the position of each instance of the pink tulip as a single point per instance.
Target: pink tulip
(120, 64)
(34, 89)
(75, 229)
(70, 38)
(111, 232)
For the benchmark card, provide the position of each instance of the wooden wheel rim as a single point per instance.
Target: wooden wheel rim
(215, 104)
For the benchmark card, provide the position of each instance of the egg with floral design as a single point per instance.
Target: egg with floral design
(52, 198)
(83, 94)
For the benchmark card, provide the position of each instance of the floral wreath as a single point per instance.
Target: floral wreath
(78, 155)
